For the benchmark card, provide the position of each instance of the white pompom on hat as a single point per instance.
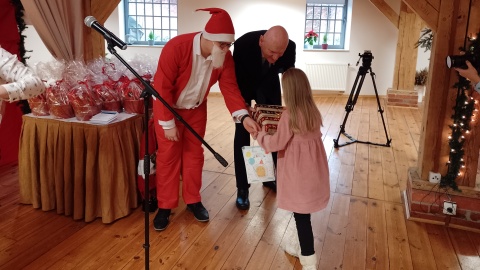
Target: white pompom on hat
(219, 27)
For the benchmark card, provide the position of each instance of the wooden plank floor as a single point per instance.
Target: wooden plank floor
(363, 226)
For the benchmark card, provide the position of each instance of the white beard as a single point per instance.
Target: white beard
(218, 56)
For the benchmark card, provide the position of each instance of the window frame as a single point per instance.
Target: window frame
(310, 23)
(144, 15)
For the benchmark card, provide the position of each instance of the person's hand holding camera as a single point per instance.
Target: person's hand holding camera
(469, 73)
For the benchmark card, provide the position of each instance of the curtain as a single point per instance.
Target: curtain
(60, 25)
(10, 113)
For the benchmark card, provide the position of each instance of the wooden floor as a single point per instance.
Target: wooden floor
(363, 226)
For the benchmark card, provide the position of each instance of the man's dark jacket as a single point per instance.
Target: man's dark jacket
(263, 88)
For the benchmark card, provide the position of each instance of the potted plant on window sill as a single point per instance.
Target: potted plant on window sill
(325, 40)
(151, 38)
(310, 39)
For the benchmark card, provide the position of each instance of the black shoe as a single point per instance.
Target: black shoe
(271, 185)
(199, 211)
(242, 199)
(161, 220)
(152, 205)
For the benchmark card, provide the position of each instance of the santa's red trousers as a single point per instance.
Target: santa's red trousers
(184, 157)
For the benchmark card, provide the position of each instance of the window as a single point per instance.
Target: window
(154, 20)
(327, 17)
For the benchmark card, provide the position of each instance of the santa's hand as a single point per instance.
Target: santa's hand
(171, 134)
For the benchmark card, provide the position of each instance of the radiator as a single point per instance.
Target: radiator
(331, 77)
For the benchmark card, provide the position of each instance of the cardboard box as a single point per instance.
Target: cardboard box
(267, 116)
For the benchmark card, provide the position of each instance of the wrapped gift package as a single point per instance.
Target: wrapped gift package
(82, 90)
(268, 116)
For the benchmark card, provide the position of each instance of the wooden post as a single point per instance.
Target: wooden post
(406, 58)
(440, 97)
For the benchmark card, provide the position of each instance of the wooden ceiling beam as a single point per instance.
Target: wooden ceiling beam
(428, 10)
(387, 11)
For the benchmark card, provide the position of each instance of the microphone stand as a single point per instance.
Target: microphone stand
(147, 93)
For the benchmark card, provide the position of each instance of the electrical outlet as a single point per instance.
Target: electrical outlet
(434, 177)
(449, 208)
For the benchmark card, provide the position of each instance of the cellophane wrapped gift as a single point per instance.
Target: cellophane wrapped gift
(56, 93)
(85, 102)
(132, 103)
(131, 90)
(57, 99)
(39, 105)
(267, 116)
(104, 87)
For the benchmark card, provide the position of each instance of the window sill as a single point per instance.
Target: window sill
(145, 45)
(327, 50)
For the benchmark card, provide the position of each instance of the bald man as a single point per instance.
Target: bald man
(259, 57)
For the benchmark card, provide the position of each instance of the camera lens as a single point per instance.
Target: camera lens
(457, 61)
(449, 62)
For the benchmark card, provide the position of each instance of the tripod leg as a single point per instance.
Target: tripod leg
(352, 99)
(380, 107)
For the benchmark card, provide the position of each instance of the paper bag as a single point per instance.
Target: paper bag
(259, 165)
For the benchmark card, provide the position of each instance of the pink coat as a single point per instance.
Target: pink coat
(303, 184)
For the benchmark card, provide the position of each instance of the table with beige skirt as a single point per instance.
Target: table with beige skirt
(79, 169)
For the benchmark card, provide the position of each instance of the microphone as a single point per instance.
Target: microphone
(91, 22)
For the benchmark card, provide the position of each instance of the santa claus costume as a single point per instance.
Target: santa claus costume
(184, 77)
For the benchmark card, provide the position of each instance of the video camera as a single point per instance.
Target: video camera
(367, 58)
(458, 61)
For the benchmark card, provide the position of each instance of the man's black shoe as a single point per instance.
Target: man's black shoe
(242, 199)
(151, 206)
(199, 211)
(271, 185)
(161, 220)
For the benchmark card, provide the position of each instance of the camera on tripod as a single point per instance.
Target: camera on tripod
(458, 61)
(366, 57)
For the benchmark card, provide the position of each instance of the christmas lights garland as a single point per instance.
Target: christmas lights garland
(463, 111)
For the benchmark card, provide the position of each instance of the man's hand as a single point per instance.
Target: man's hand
(171, 134)
(251, 126)
(251, 110)
(470, 73)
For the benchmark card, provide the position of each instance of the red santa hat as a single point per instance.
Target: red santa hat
(219, 27)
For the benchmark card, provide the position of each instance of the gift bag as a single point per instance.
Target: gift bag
(259, 165)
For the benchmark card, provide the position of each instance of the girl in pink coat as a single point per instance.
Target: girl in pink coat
(302, 168)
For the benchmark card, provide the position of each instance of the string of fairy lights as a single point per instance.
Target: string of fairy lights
(464, 114)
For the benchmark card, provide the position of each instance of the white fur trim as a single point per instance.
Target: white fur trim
(219, 37)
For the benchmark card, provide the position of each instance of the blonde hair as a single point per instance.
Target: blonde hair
(297, 94)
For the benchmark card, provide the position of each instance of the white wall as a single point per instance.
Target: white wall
(370, 30)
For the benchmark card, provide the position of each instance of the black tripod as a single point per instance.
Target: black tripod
(367, 58)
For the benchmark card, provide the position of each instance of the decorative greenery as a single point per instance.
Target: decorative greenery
(21, 46)
(464, 107)
(421, 76)
(425, 40)
(311, 37)
(325, 38)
